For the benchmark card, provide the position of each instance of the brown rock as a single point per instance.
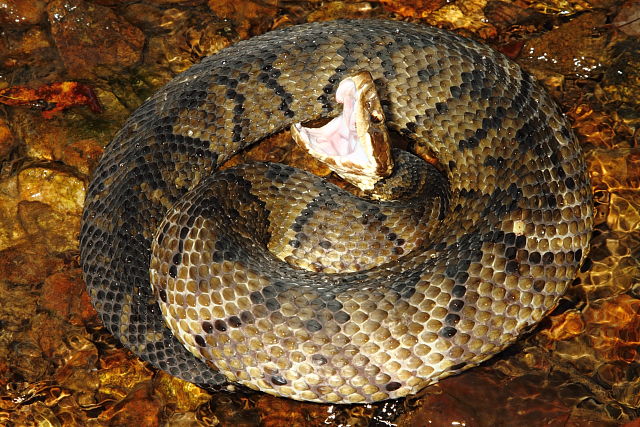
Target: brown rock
(25, 47)
(4, 370)
(74, 139)
(48, 332)
(628, 18)
(141, 407)
(82, 155)
(64, 294)
(503, 14)
(281, 412)
(191, 36)
(30, 55)
(340, 9)
(26, 360)
(413, 8)
(621, 82)
(120, 371)
(154, 2)
(251, 17)
(10, 231)
(78, 357)
(60, 190)
(56, 230)
(90, 36)
(38, 136)
(7, 141)
(466, 17)
(143, 15)
(13, 316)
(21, 13)
(49, 208)
(185, 396)
(27, 264)
(573, 49)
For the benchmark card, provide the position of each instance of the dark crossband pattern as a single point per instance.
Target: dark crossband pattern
(466, 265)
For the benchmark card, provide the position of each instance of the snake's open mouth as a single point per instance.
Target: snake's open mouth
(355, 144)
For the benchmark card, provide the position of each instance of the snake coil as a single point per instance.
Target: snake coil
(510, 241)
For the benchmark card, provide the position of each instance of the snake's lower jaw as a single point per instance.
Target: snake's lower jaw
(355, 145)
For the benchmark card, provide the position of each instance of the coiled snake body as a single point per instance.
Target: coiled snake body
(503, 244)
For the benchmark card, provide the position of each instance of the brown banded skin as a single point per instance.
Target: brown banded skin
(513, 233)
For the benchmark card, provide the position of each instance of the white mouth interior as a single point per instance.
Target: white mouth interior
(338, 138)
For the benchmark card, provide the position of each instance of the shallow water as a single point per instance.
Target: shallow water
(58, 366)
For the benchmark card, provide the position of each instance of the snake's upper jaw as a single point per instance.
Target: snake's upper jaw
(355, 145)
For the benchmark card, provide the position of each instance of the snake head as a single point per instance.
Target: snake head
(355, 145)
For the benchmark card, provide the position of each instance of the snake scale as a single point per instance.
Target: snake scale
(504, 244)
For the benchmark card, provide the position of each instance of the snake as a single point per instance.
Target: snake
(489, 240)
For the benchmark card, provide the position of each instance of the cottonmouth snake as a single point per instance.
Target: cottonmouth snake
(515, 230)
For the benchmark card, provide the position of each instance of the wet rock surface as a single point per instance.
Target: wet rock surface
(89, 37)
(58, 366)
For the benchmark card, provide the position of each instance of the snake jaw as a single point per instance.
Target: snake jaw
(355, 145)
